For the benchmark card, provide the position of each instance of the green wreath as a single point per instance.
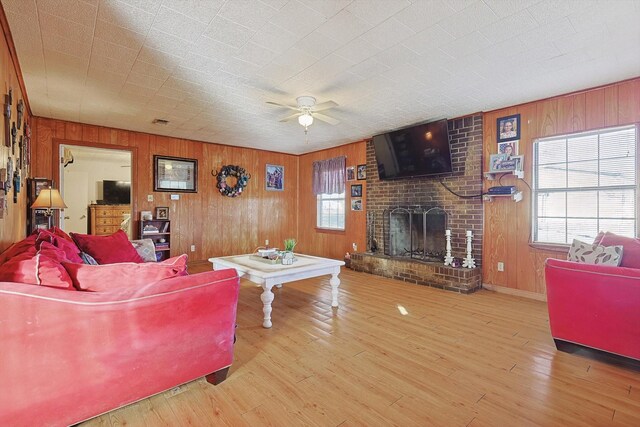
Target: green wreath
(242, 178)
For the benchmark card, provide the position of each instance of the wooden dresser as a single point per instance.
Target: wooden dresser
(106, 219)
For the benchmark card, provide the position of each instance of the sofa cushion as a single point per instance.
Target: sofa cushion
(42, 266)
(60, 233)
(112, 277)
(594, 254)
(108, 249)
(631, 254)
(146, 249)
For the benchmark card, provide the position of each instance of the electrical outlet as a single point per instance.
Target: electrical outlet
(501, 266)
(193, 248)
(149, 197)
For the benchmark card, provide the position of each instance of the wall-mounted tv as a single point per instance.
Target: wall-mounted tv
(419, 150)
(116, 192)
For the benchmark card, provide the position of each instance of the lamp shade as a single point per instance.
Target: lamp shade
(49, 198)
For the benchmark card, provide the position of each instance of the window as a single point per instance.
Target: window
(585, 183)
(331, 211)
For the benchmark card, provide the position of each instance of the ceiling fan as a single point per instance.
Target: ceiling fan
(307, 110)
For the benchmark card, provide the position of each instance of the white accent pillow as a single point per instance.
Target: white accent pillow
(594, 254)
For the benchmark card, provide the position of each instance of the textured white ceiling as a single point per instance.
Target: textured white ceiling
(209, 66)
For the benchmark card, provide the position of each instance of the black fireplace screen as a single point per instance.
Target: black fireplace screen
(415, 232)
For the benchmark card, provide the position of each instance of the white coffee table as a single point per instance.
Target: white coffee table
(270, 275)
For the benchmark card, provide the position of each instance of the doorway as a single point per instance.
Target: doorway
(92, 177)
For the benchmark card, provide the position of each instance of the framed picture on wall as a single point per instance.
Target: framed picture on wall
(508, 128)
(175, 174)
(362, 172)
(351, 173)
(509, 149)
(162, 213)
(356, 204)
(275, 178)
(356, 190)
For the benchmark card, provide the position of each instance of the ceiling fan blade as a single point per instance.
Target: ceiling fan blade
(324, 106)
(292, 116)
(327, 119)
(283, 105)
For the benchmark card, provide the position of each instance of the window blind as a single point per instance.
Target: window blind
(585, 183)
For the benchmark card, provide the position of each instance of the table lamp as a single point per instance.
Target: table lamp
(49, 199)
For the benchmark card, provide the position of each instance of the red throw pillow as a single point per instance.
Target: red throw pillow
(102, 278)
(630, 248)
(108, 249)
(37, 268)
(19, 247)
(69, 248)
(60, 233)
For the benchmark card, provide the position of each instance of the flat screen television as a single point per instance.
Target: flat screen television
(420, 150)
(116, 192)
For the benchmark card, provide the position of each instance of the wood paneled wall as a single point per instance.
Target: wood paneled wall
(13, 224)
(507, 224)
(332, 244)
(215, 224)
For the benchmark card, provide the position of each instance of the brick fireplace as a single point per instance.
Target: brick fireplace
(425, 194)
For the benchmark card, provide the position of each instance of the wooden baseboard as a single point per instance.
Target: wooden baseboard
(515, 292)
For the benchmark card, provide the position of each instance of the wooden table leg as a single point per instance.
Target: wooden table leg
(267, 298)
(335, 283)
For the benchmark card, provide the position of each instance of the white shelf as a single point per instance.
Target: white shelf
(492, 175)
(517, 196)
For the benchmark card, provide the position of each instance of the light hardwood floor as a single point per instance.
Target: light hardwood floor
(395, 354)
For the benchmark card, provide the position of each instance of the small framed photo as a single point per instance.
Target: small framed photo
(509, 149)
(356, 190)
(175, 174)
(162, 213)
(356, 204)
(145, 216)
(508, 128)
(502, 163)
(362, 172)
(274, 180)
(351, 173)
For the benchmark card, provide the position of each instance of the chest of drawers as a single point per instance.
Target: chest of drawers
(106, 219)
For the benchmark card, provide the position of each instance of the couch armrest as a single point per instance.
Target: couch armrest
(594, 305)
(67, 356)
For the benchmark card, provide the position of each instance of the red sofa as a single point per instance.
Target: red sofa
(68, 355)
(594, 306)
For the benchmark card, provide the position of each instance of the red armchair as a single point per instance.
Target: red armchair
(594, 306)
(67, 356)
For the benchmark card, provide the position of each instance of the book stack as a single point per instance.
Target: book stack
(161, 245)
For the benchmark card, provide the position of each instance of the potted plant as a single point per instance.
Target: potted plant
(287, 254)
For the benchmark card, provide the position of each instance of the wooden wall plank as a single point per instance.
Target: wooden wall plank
(611, 105)
(594, 109)
(629, 102)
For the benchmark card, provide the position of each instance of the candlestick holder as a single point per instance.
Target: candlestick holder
(469, 262)
(448, 259)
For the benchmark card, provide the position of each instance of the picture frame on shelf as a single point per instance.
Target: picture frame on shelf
(508, 128)
(175, 174)
(509, 148)
(145, 216)
(502, 163)
(362, 172)
(356, 204)
(351, 173)
(162, 213)
(274, 178)
(356, 190)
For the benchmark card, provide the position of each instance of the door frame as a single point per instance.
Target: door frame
(57, 170)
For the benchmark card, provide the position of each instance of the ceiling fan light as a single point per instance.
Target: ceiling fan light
(305, 119)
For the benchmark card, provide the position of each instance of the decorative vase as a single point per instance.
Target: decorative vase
(287, 258)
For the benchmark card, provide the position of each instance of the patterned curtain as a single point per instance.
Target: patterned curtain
(328, 176)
